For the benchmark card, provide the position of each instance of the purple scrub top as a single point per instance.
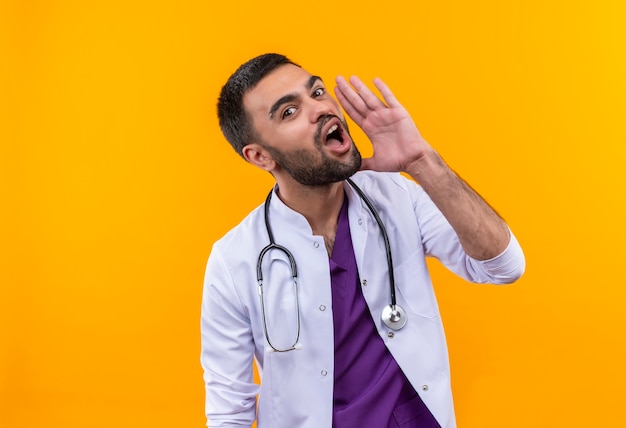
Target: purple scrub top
(370, 389)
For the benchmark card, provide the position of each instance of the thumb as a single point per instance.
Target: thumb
(367, 164)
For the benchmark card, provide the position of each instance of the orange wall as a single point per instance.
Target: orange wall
(115, 180)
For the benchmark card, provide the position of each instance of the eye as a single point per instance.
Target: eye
(288, 112)
(319, 92)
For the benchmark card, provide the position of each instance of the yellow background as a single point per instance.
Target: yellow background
(115, 181)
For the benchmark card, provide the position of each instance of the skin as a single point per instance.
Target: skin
(397, 143)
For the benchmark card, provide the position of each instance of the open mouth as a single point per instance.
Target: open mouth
(335, 137)
(334, 133)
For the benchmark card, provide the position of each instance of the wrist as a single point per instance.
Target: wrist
(427, 167)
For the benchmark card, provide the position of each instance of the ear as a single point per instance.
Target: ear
(257, 155)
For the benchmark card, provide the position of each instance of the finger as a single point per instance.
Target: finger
(388, 96)
(366, 94)
(349, 99)
(348, 107)
(351, 95)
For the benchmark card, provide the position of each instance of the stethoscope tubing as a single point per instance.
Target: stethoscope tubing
(294, 277)
(383, 231)
(393, 315)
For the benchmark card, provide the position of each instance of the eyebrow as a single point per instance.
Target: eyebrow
(291, 97)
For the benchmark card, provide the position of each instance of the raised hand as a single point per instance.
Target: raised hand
(393, 133)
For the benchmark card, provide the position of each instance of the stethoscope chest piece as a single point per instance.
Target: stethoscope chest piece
(394, 317)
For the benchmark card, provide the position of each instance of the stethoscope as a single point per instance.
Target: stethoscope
(393, 316)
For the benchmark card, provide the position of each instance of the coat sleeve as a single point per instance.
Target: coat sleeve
(227, 350)
(440, 241)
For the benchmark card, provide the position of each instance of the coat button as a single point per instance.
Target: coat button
(424, 387)
(322, 308)
(390, 335)
(316, 244)
(323, 372)
(360, 221)
(364, 282)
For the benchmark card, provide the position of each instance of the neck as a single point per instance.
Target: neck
(320, 205)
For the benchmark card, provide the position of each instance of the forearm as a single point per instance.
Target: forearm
(481, 231)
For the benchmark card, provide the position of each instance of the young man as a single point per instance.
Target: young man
(326, 285)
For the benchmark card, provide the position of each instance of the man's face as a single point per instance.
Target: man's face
(301, 125)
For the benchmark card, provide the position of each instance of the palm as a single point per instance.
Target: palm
(391, 130)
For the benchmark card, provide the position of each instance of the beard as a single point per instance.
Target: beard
(316, 168)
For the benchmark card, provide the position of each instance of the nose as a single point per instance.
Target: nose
(319, 109)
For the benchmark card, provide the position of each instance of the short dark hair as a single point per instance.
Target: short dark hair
(234, 121)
